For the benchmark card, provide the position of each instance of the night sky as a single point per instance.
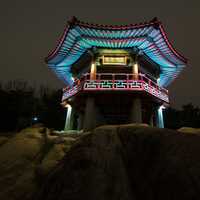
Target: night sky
(30, 29)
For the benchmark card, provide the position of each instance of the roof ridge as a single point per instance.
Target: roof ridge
(155, 23)
(75, 21)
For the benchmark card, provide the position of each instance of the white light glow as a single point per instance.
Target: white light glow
(68, 117)
(68, 106)
(160, 116)
(158, 81)
(161, 107)
(35, 119)
(114, 60)
(93, 71)
(135, 68)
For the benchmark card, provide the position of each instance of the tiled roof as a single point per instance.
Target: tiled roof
(148, 37)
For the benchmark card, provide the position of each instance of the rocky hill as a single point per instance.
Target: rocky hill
(111, 162)
(26, 158)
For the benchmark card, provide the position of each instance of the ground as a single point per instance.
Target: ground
(111, 162)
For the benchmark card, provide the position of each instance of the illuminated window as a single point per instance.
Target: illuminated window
(114, 60)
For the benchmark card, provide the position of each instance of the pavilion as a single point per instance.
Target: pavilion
(115, 74)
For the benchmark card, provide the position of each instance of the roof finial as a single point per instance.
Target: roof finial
(72, 21)
(156, 22)
(155, 19)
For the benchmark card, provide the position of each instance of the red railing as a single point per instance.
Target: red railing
(109, 81)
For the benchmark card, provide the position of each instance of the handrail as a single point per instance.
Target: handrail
(130, 82)
(140, 76)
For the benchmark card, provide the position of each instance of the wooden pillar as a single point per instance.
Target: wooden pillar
(151, 115)
(90, 114)
(90, 109)
(136, 110)
(80, 121)
(151, 119)
(135, 70)
(136, 107)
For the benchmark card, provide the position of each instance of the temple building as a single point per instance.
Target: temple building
(114, 74)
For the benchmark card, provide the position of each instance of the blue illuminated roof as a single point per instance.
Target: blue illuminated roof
(149, 38)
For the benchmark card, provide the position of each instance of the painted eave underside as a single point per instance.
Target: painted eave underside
(148, 38)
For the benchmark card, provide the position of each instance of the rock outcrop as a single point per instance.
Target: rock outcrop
(189, 130)
(26, 159)
(112, 162)
(127, 162)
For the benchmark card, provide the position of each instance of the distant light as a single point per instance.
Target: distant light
(35, 118)
(72, 79)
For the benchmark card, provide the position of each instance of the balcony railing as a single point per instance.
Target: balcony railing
(116, 82)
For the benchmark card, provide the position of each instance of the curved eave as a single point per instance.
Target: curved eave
(149, 38)
(58, 46)
(181, 57)
(94, 26)
(63, 73)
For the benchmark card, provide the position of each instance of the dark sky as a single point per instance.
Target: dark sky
(30, 29)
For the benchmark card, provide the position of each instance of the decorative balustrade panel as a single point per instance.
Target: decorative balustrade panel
(113, 85)
(155, 92)
(109, 85)
(72, 91)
